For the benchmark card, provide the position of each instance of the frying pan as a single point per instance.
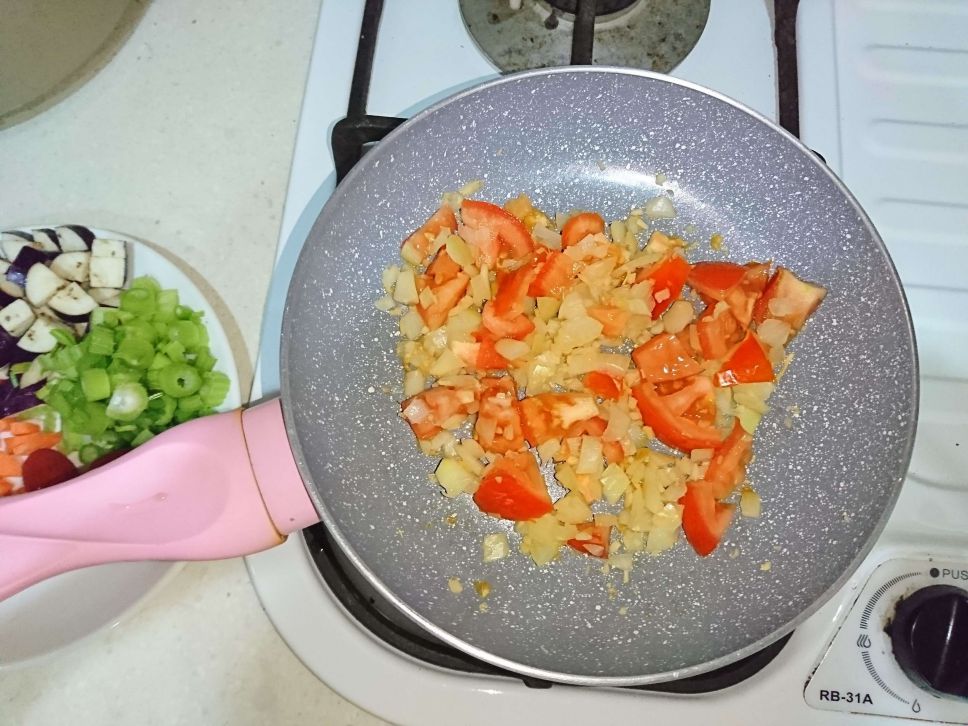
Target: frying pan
(830, 457)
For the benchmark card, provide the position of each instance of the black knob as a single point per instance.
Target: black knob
(929, 634)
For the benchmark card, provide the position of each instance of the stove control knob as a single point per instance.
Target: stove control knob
(929, 635)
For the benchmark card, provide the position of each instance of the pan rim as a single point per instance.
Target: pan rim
(633, 680)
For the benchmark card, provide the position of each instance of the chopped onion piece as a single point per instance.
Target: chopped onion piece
(413, 383)
(590, 455)
(453, 478)
(614, 483)
(512, 349)
(573, 509)
(547, 237)
(405, 288)
(678, 316)
(481, 286)
(385, 303)
(412, 325)
(459, 252)
(548, 449)
(660, 207)
(446, 364)
(495, 546)
(774, 333)
(749, 503)
(576, 332)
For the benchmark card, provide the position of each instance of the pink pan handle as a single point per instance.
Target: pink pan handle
(219, 486)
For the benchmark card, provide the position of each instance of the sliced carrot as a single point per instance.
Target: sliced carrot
(29, 443)
(5, 424)
(9, 465)
(18, 428)
(5, 487)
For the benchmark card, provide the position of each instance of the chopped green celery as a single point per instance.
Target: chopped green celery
(174, 350)
(159, 361)
(179, 380)
(186, 332)
(143, 436)
(167, 303)
(136, 352)
(190, 404)
(96, 384)
(73, 441)
(184, 313)
(163, 409)
(63, 336)
(100, 340)
(214, 389)
(89, 361)
(139, 329)
(152, 378)
(19, 368)
(147, 283)
(204, 360)
(89, 453)
(127, 402)
(139, 300)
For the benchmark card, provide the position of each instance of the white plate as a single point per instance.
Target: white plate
(59, 611)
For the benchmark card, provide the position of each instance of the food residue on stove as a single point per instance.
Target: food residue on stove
(455, 586)
(566, 341)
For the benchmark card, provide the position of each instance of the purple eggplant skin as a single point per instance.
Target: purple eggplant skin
(50, 234)
(83, 232)
(14, 400)
(26, 258)
(25, 236)
(6, 299)
(10, 352)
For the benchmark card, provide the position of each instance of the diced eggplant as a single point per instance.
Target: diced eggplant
(11, 352)
(8, 291)
(11, 247)
(25, 259)
(15, 234)
(108, 248)
(72, 303)
(16, 317)
(41, 284)
(106, 297)
(107, 271)
(75, 238)
(74, 266)
(39, 337)
(46, 240)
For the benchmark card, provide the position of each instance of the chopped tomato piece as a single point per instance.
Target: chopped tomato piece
(6, 487)
(664, 358)
(416, 247)
(498, 427)
(550, 415)
(579, 227)
(742, 298)
(592, 540)
(727, 469)
(704, 520)
(29, 443)
(602, 385)
(429, 410)
(664, 414)
(442, 269)
(613, 319)
(713, 280)
(718, 332)
(512, 289)
(517, 327)
(668, 277)
(487, 358)
(747, 363)
(555, 275)
(788, 298)
(512, 488)
(46, 467)
(495, 232)
(446, 296)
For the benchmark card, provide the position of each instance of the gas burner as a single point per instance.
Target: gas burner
(653, 35)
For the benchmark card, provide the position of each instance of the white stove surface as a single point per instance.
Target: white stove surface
(884, 98)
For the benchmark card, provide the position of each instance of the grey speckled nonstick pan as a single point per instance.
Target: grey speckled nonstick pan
(594, 139)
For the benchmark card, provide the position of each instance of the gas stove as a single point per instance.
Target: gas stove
(878, 90)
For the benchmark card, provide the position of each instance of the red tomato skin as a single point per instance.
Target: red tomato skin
(512, 488)
(419, 241)
(717, 333)
(602, 384)
(495, 231)
(804, 297)
(727, 469)
(667, 275)
(597, 545)
(579, 227)
(714, 279)
(447, 295)
(488, 359)
(664, 358)
(517, 327)
(747, 363)
(512, 289)
(671, 429)
(556, 274)
(45, 468)
(442, 269)
(704, 520)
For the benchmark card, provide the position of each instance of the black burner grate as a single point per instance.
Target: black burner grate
(350, 138)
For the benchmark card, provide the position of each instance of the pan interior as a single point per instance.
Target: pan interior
(829, 456)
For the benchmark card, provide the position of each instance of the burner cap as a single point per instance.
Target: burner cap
(653, 35)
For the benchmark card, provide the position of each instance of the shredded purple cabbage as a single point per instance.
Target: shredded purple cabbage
(14, 400)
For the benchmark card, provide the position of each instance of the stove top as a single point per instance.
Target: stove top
(322, 606)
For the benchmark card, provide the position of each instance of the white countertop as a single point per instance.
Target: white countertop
(184, 139)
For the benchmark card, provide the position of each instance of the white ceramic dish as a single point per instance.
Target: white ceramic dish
(66, 608)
